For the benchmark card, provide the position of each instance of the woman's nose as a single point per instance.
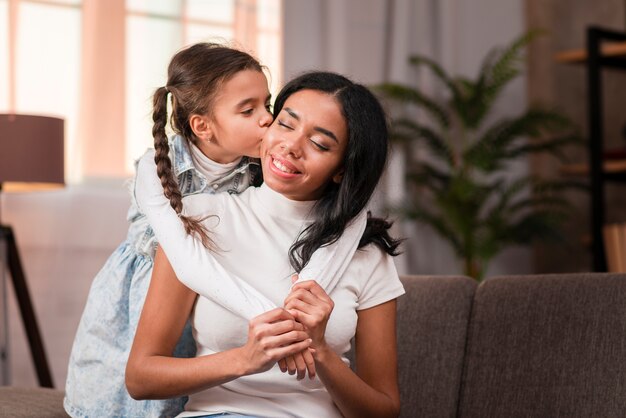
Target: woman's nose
(292, 144)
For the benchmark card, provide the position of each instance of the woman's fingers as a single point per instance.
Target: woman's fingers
(309, 361)
(282, 364)
(292, 368)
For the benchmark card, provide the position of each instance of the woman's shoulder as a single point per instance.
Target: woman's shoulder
(373, 272)
(372, 257)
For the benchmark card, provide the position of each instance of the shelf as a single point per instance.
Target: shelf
(579, 56)
(582, 169)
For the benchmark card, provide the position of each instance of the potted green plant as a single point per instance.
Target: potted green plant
(459, 181)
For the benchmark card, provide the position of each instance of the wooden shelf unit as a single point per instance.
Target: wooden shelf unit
(604, 49)
(579, 56)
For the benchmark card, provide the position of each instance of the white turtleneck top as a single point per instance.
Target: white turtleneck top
(254, 231)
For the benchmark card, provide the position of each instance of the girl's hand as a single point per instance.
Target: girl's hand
(272, 336)
(311, 306)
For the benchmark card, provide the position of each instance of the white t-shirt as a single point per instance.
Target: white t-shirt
(254, 231)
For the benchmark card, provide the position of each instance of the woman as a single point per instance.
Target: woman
(321, 160)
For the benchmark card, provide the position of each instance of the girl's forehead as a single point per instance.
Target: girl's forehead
(243, 85)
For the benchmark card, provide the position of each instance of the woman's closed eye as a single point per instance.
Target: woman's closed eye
(284, 125)
(319, 145)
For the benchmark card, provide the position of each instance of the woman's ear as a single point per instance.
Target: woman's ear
(201, 127)
(338, 177)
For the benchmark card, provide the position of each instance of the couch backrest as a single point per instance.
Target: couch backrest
(432, 327)
(547, 346)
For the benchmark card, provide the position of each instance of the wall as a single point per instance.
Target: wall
(64, 237)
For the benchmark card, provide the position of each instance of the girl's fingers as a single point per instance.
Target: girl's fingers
(274, 315)
(289, 350)
(313, 287)
(304, 295)
(300, 306)
(289, 338)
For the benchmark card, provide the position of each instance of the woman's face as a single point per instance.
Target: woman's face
(238, 118)
(303, 149)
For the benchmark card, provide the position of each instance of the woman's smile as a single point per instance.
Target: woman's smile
(284, 167)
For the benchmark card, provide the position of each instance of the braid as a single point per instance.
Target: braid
(162, 149)
(193, 226)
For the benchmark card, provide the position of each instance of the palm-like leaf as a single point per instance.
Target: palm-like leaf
(461, 187)
(407, 94)
(493, 148)
(437, 146)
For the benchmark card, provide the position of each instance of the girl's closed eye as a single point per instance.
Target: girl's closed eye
(247, 112)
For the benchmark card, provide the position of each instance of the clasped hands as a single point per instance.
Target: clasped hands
(291, 335)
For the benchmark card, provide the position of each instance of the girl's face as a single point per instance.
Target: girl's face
(304, 148)
(238, 118)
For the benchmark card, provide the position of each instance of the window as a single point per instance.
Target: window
(25, 86)
(96, 64)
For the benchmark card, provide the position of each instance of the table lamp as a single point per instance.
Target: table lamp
(31, 158)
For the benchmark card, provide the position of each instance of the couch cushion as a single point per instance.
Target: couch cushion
(432, 327)
(547, 346)
(31, 402)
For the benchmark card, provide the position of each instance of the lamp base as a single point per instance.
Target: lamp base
(22, 294)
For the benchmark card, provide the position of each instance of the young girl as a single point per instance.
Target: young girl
(321, 161)
(220, 102)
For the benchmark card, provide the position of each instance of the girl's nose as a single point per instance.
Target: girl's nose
(266, 120)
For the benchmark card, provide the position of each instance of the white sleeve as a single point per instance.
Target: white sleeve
(379, 278)
(328, 264)
(189, 258)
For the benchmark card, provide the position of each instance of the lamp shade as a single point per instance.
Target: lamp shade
(31, 149)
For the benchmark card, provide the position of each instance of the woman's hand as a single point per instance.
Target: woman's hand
(272, 336)
(311, 306)
(300, 364)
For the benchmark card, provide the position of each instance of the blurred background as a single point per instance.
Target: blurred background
(95, 63)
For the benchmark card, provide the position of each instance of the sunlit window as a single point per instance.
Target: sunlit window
(49, 60)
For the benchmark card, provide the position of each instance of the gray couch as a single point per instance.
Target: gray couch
(519, 346)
